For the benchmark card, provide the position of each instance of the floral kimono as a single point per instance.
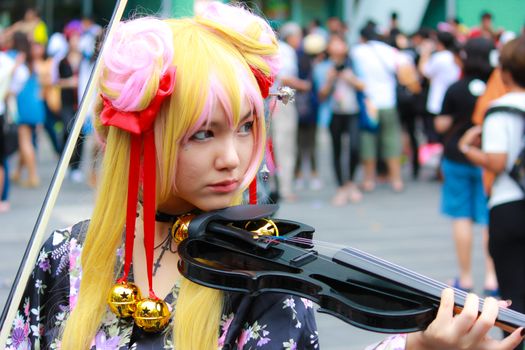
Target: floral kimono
(268, 321)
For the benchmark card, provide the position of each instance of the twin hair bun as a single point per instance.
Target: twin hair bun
(141, 52)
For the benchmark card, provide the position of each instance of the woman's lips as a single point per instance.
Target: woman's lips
(225, 186)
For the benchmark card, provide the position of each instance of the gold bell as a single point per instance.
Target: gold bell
(152, 315)
(123, 299)
(179, 230)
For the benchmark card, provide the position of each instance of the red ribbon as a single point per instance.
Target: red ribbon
(137, 122)
(264, 81)
(253, 191)
(140, 126)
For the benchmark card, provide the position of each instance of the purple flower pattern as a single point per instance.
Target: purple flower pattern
(42, 312)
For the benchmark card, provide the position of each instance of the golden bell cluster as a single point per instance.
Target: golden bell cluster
(151, 315)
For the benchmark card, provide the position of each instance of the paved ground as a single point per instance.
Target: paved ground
(404, 228)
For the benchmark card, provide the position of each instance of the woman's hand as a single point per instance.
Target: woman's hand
(464, 331)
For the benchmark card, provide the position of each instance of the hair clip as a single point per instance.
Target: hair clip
(284, 94)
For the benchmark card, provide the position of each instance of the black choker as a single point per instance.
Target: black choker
(165, 217)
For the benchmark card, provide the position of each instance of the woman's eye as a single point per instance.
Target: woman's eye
(202, 135)
(246, 127)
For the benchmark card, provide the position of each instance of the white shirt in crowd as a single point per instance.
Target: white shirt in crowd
(442, 71)
(503, 133)
(6, 70)
(289, 67)
(376, 64)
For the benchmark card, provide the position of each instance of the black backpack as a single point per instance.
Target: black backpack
(517, 172)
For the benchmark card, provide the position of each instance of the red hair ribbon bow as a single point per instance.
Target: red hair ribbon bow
(264, 81)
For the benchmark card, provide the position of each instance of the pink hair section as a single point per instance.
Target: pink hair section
(217, 96)
(239, 19)
(140, 49)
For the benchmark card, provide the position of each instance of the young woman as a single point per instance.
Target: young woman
(190, 91)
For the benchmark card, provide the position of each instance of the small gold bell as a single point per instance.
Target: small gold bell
(179, 229)
(152, 315)
(123, 299)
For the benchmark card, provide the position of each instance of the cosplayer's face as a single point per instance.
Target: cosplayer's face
(213, 162)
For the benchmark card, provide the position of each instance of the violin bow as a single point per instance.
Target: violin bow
(39, 230)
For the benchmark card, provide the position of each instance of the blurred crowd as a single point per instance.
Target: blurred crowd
(397, 98)
(42, 79)
(378, 98)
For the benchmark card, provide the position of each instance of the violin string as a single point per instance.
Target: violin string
(439, 286)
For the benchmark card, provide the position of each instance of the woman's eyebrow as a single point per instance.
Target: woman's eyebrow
(247, 115)
(243, 119)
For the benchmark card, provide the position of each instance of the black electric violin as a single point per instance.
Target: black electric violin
(238, 250)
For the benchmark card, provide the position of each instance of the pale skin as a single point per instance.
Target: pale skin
(209, 165)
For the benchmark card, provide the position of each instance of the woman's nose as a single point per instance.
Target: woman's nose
(227, 155)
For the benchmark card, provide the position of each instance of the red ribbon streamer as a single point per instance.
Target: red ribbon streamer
(140, 126)
(149, 204)
(253, 191)
(131, 213)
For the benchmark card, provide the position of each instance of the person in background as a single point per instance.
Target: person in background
(408, 102)
(441, 69)
(50, 93)
(31, 25)
(315, 27)
(25, 86)
(378, 65)
(336, 26)
(284, 118)
(68, 69)
(501, 145)
(496, 88)
(339, 87)
(485, 29)
(89, 48)
(312, 52)
(7, 65)
(463, 198)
